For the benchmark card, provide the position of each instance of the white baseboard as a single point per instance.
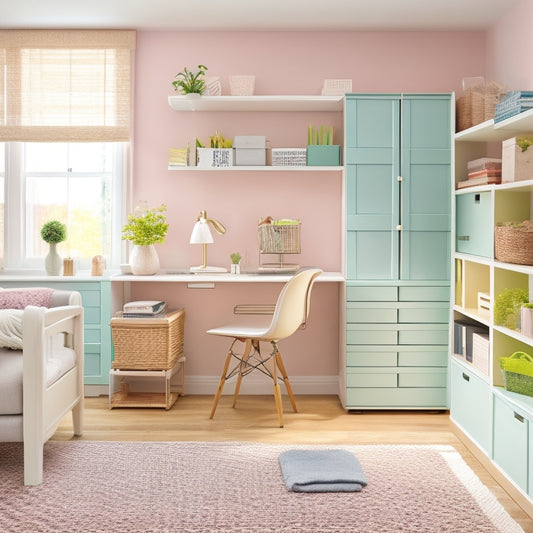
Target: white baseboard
(207, 385)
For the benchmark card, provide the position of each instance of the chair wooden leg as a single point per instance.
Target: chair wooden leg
(221, 384)
(277, 390)
(281, 367)
(245, 355)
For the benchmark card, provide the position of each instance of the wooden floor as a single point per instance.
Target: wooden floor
(320, 420)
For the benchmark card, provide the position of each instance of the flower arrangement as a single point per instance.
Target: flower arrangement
(188, 82)
(146, 225)
(53, 232)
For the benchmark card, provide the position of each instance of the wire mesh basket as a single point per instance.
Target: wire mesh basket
(279, 239)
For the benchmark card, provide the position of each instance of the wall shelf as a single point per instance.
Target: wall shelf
(256, 103)
(266, 168)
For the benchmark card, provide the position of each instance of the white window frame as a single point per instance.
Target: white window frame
(15, 260)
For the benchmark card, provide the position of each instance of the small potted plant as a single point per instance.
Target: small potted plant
(219, 153)
(320, 148)
(235, 262)
(53, 232)
(146, 227)
(189, 82)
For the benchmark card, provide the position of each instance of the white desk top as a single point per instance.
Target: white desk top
(224, 278)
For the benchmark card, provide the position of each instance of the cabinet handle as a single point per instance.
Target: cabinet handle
(399, 227)
(399, 178)
(463, 237)
(520, 418)
(466, 377)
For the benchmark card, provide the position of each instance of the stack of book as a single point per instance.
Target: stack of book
(144, 309)
(483, 171)
(512, 103)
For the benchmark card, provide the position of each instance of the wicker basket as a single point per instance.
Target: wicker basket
(514, 244)
(148, 343)
(517, 371)
(277, 239)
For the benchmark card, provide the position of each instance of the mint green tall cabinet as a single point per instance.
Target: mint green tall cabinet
(398, 161)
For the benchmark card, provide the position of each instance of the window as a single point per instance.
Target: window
(80, 184)
(65, 120)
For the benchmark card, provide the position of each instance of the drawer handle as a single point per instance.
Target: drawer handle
(466, 377)
(520, 418)
(463, 237)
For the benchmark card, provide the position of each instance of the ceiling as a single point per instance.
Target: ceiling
(316, 15)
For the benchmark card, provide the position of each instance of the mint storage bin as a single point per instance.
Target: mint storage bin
(323, 155)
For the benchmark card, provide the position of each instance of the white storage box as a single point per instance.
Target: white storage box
(289, 157)
(516, 165)
(250, 150)
(480, 352)
(214, 157)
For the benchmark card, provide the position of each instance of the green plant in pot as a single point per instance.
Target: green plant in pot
(189, 82)
(507, 307)
(53, 232)
(146, 227)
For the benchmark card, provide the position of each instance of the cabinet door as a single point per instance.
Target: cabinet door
(425, 187)
(372, 187)
(510, 441)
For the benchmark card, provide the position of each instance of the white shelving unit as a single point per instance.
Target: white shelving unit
(498, 423)
(266, 168)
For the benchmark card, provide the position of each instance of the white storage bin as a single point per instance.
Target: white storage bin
(250, 150)
(516, 164)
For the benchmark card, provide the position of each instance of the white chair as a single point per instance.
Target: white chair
(289, 314)
(43, 381)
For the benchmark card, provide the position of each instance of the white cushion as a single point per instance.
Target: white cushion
(61, 361)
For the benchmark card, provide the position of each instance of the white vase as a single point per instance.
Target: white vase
(53, 261)
(235, 268)
(144, 260)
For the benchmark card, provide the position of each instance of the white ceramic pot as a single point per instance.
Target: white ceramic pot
(53, 261)
(144, 260)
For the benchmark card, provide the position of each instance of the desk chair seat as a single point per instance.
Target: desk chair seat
(289, 314)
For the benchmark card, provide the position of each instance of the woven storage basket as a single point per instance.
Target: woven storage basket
(274, 239)
(514, 244)
(148, 343)
(517, 372)
(470, 108)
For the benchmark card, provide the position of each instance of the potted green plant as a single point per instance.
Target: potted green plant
(146, 227)
(507, 307)
(235, 262)
(219, 153)
(189, 82)
(53, 232)
(320, 148)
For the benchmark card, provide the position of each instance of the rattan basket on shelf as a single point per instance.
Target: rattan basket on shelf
(514, 243)
(148, 343)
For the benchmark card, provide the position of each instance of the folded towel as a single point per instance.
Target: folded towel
(321, 471)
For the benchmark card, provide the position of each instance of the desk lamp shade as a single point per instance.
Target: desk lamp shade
(201, 234)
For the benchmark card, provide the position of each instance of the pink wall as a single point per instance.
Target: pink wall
(509, 44)
(283, 63)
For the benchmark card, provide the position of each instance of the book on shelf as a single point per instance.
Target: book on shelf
(483, 180)
(485, 173)
(144, 308)
(484, 163)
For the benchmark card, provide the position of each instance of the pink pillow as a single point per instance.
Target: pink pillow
(21, 298)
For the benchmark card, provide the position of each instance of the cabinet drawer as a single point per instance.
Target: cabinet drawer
(436, 334)
(471, 404)
(371, 378)
(423, 377)
(440, 293)
(424, 312)
(510, 441)
(473, 224)
(92, 335)
(371, 334)
(396, 398)
(371, 313)
(424, 356)
(370, 356)
(372, 294)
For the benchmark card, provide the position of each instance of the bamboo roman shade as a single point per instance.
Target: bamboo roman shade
(66, 86)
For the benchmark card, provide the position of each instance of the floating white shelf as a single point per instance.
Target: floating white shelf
(256, 103)
(266, 168)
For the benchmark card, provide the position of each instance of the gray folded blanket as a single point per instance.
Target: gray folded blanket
(321, 471)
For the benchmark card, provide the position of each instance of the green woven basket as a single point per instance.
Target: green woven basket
(517, 372)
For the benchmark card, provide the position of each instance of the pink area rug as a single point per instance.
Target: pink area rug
(238, 487)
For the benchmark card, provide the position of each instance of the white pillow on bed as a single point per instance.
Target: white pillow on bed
(11, 328)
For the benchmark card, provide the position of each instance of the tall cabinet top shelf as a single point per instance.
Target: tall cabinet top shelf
(489, 131)
(256, 103)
